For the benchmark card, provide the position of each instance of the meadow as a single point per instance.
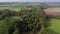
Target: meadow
(55, 25)
(12, 7)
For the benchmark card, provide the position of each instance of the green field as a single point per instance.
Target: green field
(15, 7)
(55, 25)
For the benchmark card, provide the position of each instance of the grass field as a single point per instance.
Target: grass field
(53, 9)
(15, 7)
(11, 8)
(55, 25)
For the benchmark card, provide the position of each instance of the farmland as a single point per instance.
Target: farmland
(54, 9)
(12, 7)
(54, 12)
(24, 21)
(55, 25)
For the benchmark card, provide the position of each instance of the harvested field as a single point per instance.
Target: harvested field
(52, 11)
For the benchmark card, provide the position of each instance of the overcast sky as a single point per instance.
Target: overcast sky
(29, 0)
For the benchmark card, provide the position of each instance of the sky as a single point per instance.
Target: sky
(29, 0)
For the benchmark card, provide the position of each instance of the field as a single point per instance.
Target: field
(55, 25)
(54, 11)
(12, 7)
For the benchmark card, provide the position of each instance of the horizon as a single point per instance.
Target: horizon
(29, 0)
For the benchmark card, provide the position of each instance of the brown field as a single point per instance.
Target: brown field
(52, 11)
